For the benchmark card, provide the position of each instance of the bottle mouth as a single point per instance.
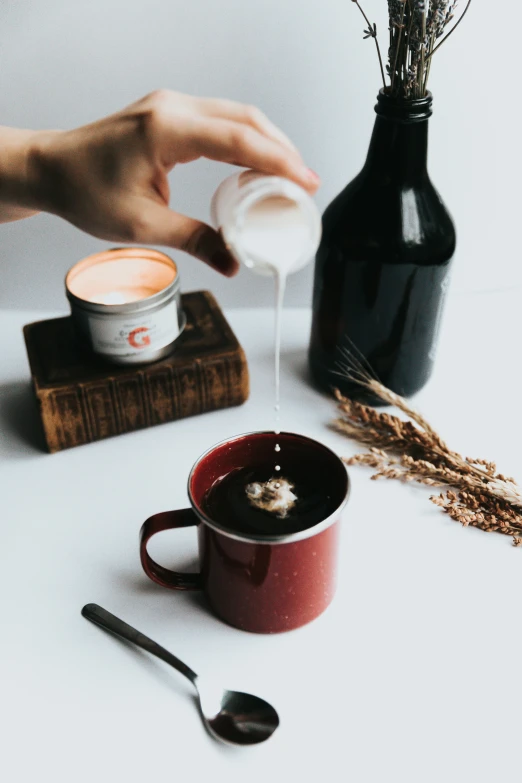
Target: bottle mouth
(406, 110)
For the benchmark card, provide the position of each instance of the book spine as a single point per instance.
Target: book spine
(63, 419)
(96, 410)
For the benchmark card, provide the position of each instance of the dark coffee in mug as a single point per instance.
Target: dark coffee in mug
(243, 500)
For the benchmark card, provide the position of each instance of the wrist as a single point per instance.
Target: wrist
(25, 163)
(15, 187)
(42, 178)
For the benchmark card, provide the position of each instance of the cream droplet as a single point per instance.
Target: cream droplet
(278, 467)
(277, 447)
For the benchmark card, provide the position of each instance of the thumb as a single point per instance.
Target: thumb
(163, 226)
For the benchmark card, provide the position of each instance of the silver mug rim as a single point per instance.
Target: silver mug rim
(288, 538)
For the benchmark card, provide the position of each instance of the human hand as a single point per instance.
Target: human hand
(109, 178)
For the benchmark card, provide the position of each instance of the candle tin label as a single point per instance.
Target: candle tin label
(126, 335)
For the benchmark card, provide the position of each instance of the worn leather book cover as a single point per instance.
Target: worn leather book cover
(82, 398)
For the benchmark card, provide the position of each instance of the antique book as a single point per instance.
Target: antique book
(82, 398)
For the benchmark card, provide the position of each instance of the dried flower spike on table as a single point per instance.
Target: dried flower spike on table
(411, 450)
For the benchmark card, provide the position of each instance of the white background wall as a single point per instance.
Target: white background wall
(64, 63)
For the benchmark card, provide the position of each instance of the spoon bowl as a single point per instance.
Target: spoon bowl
(232, 717)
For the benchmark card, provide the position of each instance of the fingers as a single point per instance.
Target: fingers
(237, 143)
(247, 115)
(225, 131)
(162, 226)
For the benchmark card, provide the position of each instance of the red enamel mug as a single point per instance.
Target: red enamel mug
(255, 582)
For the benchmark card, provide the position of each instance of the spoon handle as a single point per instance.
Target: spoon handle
(106, 620)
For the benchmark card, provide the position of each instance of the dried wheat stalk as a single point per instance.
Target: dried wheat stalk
(411, 450)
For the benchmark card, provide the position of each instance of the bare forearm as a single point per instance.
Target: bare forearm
(18, 185)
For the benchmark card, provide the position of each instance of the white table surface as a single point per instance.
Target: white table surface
(413, 673)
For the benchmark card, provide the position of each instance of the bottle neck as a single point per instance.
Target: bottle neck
(399, 145)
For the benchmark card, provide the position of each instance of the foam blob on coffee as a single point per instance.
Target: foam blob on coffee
(275, 496)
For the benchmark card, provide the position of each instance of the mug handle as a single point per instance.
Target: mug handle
(167, 520)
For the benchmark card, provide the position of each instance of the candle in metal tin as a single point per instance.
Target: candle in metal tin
(126, 304)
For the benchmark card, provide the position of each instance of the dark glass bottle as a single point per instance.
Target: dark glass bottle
(382, 266)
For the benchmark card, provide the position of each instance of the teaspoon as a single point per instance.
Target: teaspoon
(230, 716)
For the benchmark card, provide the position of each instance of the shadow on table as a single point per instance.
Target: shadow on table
(155, 669)
(140, 584)
(21, 431)
(295, 362)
